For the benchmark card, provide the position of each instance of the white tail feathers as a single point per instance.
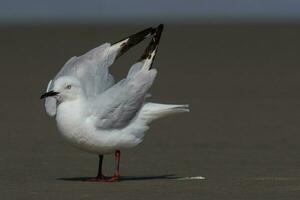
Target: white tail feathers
(152, 111)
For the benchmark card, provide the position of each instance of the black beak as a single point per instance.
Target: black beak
(49, 94)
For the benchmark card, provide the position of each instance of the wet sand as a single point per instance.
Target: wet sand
(242, 134)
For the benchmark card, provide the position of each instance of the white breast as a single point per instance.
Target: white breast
(78, 128)
(71, 122)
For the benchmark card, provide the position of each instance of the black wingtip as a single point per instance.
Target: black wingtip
(154, 43)
(160, 27)
(134, 39)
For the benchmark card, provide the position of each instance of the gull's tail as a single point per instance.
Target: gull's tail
(153, 111)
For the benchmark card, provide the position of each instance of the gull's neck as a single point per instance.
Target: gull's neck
(76, 106)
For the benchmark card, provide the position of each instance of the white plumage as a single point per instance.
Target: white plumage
(98, 115)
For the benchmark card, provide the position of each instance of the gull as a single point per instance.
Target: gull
(98, 115)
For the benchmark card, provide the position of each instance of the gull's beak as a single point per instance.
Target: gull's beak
(49, 94)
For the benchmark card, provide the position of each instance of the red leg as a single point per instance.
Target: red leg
(116, 176)
(117, 157)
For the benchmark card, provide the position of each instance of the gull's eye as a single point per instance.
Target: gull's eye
(68, 87)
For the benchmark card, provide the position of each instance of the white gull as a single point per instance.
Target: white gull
(98, 115)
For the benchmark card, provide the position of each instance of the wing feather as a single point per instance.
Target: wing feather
(117, 106)
(92, 68)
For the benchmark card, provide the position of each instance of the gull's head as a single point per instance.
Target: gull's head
(65, 88)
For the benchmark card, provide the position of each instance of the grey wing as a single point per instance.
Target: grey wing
(92, 71)
(118, 105)
(92, 68)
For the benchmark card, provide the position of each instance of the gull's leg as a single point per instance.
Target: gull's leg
(117, 157)
(117, 175)
(100, 176)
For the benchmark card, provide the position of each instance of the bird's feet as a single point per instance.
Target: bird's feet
(103, 178)
(114, 178)
(98, 178)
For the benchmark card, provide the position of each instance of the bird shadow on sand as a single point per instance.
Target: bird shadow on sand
(128, 178)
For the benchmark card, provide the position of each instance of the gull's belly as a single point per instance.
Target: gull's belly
(71, 125)
(75, 127)
(78, 132)
(81, 132)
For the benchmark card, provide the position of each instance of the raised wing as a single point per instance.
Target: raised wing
(118, 105)
(92, 68)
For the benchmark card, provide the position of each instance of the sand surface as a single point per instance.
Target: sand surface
(242, 134)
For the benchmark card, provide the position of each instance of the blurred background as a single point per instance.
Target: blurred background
(140, 12)
(235, 62)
